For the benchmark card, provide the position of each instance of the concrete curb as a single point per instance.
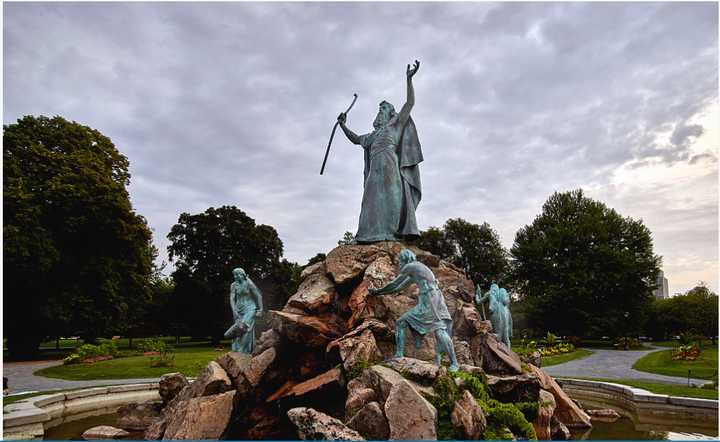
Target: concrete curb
(29, 418)
(646, 409)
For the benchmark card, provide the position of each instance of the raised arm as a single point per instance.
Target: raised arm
(398, 284)
(410, 102)
(352, 136)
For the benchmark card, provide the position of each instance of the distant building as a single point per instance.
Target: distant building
(662, 291)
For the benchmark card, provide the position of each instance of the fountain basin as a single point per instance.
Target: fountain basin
(31, 417)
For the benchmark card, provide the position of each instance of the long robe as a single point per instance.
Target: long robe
(392, 189)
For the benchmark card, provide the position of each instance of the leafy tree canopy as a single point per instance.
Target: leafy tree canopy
(207, 247)
(475, 248)
(695, 312)
(77, 257)
(584, 268)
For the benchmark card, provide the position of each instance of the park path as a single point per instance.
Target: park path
(614, 364)
(21, 378)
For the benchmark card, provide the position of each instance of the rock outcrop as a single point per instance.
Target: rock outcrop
(468, 417)
(321, 362)
(313, 425)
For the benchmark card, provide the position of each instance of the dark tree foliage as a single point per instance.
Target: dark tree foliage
(315, 259)
(695, 312)
(206, 248)
(584, 269)
(475, 248)
(77, 257)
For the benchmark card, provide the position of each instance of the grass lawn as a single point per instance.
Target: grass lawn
(188, 361)
(705, 367)
(562, 358)
(658, 388)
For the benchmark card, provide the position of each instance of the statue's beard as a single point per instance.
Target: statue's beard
(381, 120)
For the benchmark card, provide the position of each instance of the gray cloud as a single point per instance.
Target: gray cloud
(232, 103)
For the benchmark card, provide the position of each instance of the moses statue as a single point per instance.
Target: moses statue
(392, 189)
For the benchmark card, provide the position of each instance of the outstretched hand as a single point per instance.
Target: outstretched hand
(342, 118)
(412, 70)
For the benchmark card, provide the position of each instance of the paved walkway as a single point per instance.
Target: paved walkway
(614, 364)
(21, 378)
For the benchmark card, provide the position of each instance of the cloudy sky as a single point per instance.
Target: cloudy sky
(233, 103)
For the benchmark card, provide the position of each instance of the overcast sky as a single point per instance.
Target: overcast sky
(233, 103)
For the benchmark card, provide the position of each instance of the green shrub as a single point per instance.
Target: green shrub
(500, 416)
(87, 351)
(152, 345)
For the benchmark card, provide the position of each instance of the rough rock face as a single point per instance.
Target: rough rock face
(138, 417)
(315, 294)
(409, 415)
(415, 369)
(200, 418)
(370, 422)
(170, 385)
(356, 347)
(567, 411)
(104, 432)
(544, 416)
(518, 388)
(493, 355)
(348, 262)
(468, 417)
(313, 425)
(310, 331)
(213, 379)
(268, 338)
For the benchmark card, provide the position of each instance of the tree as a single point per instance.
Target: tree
(475, 248)
(585, 269)
(347, 238)
(77, 257)
(206, 248)
(695, 311)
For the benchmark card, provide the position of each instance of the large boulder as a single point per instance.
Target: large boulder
(358, 395)
(378, 274)
(493, 355)
(409, 415)
(381, 380)
(104, 432)
(415, 369)
(314, 425)
(344, 263)
(204, 417)
(138, 417)
(558, 430)
(268, 338)
(518, 388)
(315, 294)
(370, 422)
(468, 417)
(357, 347)
(307, 330)
(567, 411)
(546, 409)
(170, 385)
(213, 379)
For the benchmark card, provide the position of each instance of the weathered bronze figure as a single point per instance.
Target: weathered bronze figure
(430, 315)
(392, 189)
(246, 304)
(500, 317)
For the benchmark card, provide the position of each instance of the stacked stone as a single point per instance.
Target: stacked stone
(330, 330)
